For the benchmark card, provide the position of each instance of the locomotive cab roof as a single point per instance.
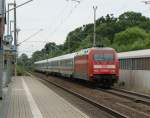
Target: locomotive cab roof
(86, 51)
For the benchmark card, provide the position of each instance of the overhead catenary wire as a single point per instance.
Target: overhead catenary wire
(60, 14)
(61, 22)
(30, 37)
(18, 6)
(66, 18)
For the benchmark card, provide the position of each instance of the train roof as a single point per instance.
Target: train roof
(86, 51)
(72, 55)
(134, 54)
(63, 57)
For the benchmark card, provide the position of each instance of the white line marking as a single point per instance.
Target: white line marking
(34, 108)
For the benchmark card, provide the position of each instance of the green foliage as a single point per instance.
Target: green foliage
(131, 39)
(20, 71)
(129, 31)
(24, 63)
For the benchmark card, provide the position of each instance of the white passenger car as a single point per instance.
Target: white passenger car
(62, 64)
(135, 68)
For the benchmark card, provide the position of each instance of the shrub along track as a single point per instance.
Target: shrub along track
(115, 105)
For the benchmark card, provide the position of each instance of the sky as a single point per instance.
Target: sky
(57, 18)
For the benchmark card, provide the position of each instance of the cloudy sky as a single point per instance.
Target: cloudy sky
(58, 17)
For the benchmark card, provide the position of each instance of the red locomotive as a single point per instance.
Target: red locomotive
(98, 65)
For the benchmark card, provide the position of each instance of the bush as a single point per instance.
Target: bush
(20, 71)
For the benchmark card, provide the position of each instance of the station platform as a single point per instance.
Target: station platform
(27, 97)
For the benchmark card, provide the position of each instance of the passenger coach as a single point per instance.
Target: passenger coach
(135, 68)
(94, 64)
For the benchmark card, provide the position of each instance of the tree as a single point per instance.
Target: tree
(129, 31)
(130, 19)
(130, 38)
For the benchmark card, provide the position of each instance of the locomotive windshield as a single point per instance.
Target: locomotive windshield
(103, 57)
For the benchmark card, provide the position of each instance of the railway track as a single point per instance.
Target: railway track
(133, 93)
(100, 106)
(136, 97)
(116, 105)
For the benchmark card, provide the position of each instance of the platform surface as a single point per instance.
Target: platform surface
(28, 98)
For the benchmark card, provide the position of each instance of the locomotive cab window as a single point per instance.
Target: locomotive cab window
(103, 57)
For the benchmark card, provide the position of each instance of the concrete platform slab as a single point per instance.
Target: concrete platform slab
(29, 98)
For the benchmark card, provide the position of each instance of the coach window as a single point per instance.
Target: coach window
(133, 63)
(49, 64)
(129, 64)
(68, 63)
(145, 64)
(148, 63)
(122, 64)
(137, 64)
(54, 63)
(141, 63)
(61, 63)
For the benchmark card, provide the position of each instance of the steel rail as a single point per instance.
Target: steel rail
(129, 95)
(96, 104)
(133, 93)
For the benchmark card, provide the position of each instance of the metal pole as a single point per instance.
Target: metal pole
(15, 35)
(8, 21)
(8, 25)
(94, 35)
(19, 5)
(11, 27)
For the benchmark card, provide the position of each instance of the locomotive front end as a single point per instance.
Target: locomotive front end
(104, 66)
